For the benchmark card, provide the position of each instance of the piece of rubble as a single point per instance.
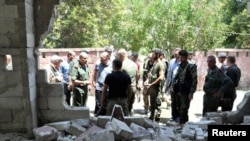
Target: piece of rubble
(218, 120)
(140, 132)
(148, 123)
(45, 133)
(75, 129)
(166, 132)
(91, 130)
(246, 119)
(117, 112)
(134, 119)
(199, 134)
(203, 124)
(188, 131)
(82, 122)
(102, 121)
(62, 125)
(121, 128)
(103, 135)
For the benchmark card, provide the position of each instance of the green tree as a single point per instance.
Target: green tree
(238, 21)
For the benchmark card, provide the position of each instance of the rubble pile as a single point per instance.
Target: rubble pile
(135, 128)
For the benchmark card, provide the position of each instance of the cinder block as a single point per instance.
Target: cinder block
(93, 129)
(134, 119)
(202, 123)
(5, 116)
(82, 122)
(15, 104)
(121, 128)
(45, 133)
(218, 120)
(75, 129)
(167, 132)
(140, 132)
(62, 125)
(103, 135)
(102, 121)
(188, 132)
(246, 119)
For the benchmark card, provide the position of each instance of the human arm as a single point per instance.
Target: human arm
(104, 95)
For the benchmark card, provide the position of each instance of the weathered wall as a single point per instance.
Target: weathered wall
(16, 87)
(18, 91)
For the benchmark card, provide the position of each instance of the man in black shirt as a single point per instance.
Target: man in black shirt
(119, 85)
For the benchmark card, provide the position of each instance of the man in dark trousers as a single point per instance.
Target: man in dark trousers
(184, 85)
(234, 73)
(153, 83)
(216, 85)
(119, 85)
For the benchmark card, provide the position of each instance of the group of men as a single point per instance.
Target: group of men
(181, 83)
(74, 74)
(116, 80)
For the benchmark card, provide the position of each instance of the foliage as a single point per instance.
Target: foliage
(140, 25)
(236, 17)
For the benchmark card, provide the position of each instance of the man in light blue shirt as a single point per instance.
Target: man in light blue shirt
(64, 69)
(172, 70)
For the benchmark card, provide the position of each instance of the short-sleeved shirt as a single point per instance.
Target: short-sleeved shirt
(131, 69)
(99, 68)
(118, 83)
(155, 71)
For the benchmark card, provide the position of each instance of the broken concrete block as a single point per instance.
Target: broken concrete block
(102, 121)
(45, 133)
(203, 123)
(166, 132)
(218, 120)
(188, 132)
(117, 112)
(235, 117)
(148, 123)
(199, 134)
(121, 128)
(134, 119)
(103, 135)
(109, 127)
(62, 125)
(246, 119)
(93, 120)
(82, 122)
(75, 129)
(140, 132)
(91, 130)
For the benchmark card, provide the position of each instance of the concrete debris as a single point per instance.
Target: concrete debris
(45, 133)
(135, 128)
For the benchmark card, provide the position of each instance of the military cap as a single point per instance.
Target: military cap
(84, 50)
(156, 50)
(222, 55)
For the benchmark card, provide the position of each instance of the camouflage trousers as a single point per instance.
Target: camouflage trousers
(155, 103)
(183, 104)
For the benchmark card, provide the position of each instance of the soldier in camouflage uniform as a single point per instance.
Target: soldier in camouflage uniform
(217, 84)
(155, 77)
(184, 85)
(81, 79)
